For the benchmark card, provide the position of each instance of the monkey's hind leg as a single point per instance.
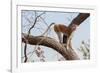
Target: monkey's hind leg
(65, 39)
(60, 37)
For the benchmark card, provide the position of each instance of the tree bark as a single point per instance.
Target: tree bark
(68, 54)
(79, 19)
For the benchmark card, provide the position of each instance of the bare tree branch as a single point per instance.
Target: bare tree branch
(52, 43)
(79, 19)
(76, 22)
(25, 47)
(35, 22)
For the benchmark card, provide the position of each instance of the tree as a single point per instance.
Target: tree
(65, 50)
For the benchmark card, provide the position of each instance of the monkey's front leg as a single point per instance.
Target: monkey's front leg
(69, 44)
(60, 37)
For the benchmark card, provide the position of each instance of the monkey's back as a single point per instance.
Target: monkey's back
(62, 28)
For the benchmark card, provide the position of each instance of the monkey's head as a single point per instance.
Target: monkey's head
(74, 27)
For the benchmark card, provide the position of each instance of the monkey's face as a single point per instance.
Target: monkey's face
(74, 27)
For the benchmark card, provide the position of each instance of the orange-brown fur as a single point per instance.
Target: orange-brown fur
(62, 28)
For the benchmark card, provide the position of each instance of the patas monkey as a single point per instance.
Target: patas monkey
(63, 32)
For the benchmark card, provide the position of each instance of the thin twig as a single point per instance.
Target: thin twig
(44, 21)
(34, 23)
(25, 47)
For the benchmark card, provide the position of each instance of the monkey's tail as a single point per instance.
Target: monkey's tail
(48, 28)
